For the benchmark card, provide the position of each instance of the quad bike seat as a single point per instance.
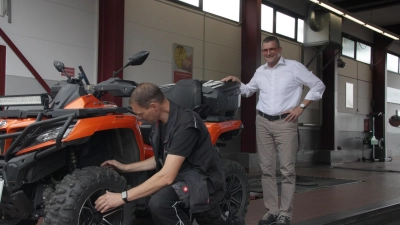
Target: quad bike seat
(186, 93)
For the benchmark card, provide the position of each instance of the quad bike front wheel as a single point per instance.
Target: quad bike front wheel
(237, 193)
(72, 203)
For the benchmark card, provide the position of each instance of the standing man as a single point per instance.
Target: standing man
(280, 82)
(189, 170)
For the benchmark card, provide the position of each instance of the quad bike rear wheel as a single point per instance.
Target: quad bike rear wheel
(73, 200)
(237, 193)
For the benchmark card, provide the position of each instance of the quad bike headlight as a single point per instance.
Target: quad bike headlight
(3, 123)
(52, 134)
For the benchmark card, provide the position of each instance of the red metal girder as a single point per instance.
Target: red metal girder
(250, 61)
(111, 42)
(24, 60)
(2, 70)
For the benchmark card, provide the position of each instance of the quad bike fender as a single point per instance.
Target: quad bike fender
(88, 126)
(28, 169)
(148, 151)
(19, 171)
(217, 129)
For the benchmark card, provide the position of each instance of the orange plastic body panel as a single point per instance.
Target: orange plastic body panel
(87, 102)
(83, 128)
(148, 151)
(216, 129)
(12, 126)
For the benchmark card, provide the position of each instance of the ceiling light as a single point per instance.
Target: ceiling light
(354, 19)
(331, 8)
(374, 28)
(391, 36)
(344, 14)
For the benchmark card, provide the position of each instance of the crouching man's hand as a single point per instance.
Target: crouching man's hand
(108, 201)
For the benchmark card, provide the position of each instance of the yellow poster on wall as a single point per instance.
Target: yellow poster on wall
(182, 62)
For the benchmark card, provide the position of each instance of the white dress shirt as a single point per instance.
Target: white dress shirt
(281, 86)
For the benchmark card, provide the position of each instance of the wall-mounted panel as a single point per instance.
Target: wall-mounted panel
(26, 85)
(222, 59)
(55, 21)
(228, 34)
(350, 70)
(364, 105)
(153, 71)
(41, 54)
(364, 72)
(350, 122)
(393, 80)
(290, 50)
(165, 16)
(159, 43)
(364, 89)
(356, 30)
(310, 116)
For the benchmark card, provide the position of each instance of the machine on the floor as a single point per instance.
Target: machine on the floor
(375, 142)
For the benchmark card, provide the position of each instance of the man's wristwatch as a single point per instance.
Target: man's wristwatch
(124, 195)
(303, 106)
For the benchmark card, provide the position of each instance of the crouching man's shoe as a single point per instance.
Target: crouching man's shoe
(283, 220)
(233, 221)
(268, 219)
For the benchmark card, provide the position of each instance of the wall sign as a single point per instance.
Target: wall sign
(69, 71)
(393, 95)
(349, 95)
(182, 62)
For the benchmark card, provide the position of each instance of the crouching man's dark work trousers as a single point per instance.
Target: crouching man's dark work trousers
(166, 209)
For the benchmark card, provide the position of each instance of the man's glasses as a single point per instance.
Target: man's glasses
(271, 50)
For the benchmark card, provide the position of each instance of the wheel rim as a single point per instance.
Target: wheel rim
(232, 201)
(88, 214)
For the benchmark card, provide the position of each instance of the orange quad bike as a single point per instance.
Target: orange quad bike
(50, 157)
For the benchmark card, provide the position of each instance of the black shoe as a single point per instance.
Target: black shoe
(268, 219)
(283, 220)
(233, 221)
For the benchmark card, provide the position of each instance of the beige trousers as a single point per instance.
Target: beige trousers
(279, 137)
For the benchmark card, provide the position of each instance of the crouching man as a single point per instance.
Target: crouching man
(189, 171)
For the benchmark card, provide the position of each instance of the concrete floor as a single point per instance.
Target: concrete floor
(380, 187)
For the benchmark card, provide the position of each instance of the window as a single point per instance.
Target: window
(191, 2)
(392, 63)
(275, 19)
(353, 48)
(285, 25)
(229, 9)
(267, 18)
(300, 30)
(348, 47)
(363, 53)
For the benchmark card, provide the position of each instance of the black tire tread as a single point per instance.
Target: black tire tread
(64, 204)
(232, 167)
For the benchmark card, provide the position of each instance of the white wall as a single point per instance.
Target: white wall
(48, 30)
(155, 25)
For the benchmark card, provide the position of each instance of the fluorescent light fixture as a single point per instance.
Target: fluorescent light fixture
(21, 100)
(331, 8)
(374, 28)
(354, 19)
(391, 36)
